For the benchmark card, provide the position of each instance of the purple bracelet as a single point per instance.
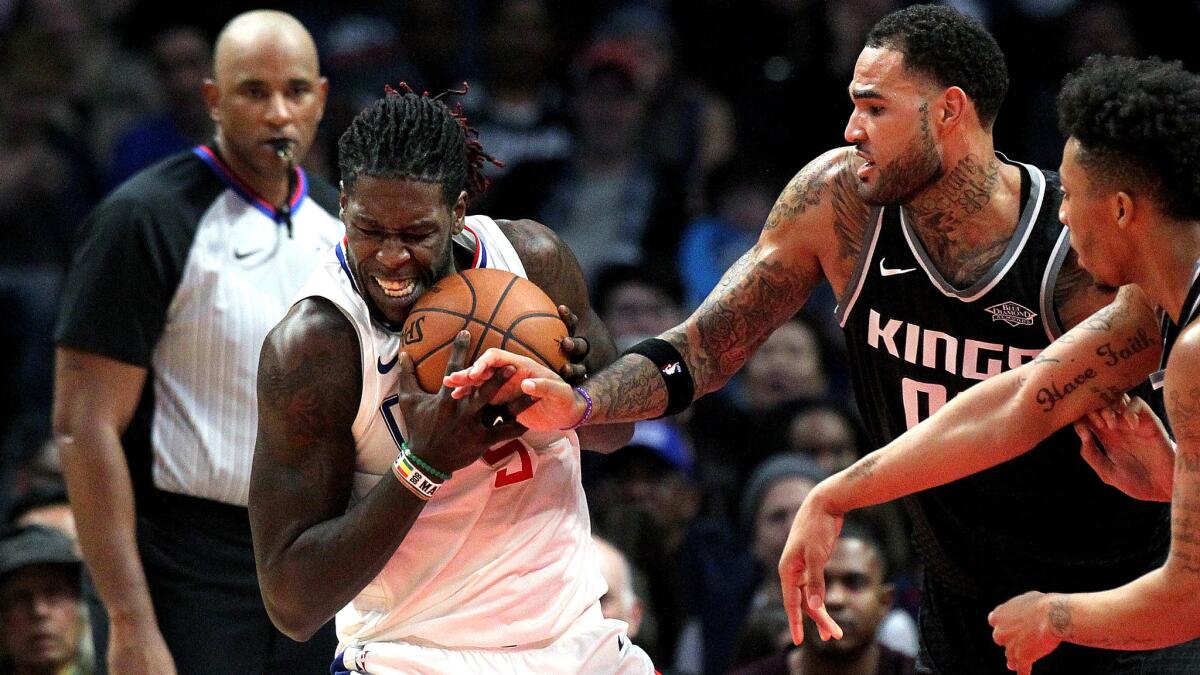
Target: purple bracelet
(587, 411)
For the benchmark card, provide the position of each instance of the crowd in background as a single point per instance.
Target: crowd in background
(653, 136)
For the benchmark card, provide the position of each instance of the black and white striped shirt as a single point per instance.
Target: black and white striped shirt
(183, 270)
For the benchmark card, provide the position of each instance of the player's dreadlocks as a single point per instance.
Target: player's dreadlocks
(405, 135)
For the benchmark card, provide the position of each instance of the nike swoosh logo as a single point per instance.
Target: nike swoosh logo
(385, 368)
(885, 272)
(243, 255)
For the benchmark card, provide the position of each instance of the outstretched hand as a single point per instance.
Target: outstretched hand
(539, 398)
(802, 569)
(1128, 447)
(444, 430)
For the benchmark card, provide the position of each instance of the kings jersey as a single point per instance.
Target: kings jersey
(1042, 521)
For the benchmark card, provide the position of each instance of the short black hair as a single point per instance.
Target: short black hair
(952, 49)
(856, 528)
(406, 135)
(1137, 120)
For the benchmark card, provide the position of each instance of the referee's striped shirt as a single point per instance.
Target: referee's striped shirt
(183, 270)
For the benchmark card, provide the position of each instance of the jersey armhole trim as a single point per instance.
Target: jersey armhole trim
(1058, 256)
(846, 305)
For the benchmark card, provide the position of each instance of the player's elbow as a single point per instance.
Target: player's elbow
(605, 438)
(294, 611)
(1174, 595)
(291, 617)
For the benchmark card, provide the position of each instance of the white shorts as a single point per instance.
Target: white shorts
(591, 645)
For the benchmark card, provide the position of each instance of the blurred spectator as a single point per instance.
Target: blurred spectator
(518, 107)
(108, 85)
(621, 601)
(41, 614)
(45, 170)
(828, 433)
(610, 200)
(637, 302)
(363, 52)
(690, 125)
(436, 38)
(47, 506)
(183, 60)
(765, 631)
(642, 499)
(789, 366)
(740, 198)
(858, 598)
(729, 574)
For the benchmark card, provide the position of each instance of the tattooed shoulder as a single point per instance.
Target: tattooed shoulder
(310, 372)
(1182, 392)
(828, 179)
(548, 261)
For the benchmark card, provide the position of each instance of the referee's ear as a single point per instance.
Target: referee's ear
(212, 99)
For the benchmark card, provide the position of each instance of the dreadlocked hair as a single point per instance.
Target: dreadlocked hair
(417, 137)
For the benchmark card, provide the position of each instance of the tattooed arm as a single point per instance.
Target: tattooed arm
(309, 385)
(814, 230)
(313, 553)
(1087, 368)
(1155, 610)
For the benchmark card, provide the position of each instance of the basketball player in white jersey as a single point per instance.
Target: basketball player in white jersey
(442, 546)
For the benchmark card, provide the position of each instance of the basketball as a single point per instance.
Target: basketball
(500, 309)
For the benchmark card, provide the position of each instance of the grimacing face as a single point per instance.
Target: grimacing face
(889, 126)
(398, 239)
(1087, 210)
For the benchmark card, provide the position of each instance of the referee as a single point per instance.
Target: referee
(175, 281)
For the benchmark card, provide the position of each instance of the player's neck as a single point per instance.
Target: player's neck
(1166, 265)
(805, 661)
(967, 217)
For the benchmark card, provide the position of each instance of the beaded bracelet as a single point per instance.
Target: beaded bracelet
(425, 466)
(587, 411)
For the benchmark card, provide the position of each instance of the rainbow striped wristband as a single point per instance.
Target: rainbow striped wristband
(411, 476)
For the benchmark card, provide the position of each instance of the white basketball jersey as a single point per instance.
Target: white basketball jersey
(502, 555)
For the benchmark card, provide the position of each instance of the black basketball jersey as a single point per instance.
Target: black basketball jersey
(1042, 521)
(1171, 330)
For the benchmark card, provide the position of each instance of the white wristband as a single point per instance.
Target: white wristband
(411, 476)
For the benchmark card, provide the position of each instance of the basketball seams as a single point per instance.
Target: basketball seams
(495, 310)
(509, 335)
(497, 303)
(438, 310)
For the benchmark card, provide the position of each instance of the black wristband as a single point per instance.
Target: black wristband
(674, 372)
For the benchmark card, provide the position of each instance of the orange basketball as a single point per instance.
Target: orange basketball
(500, 309)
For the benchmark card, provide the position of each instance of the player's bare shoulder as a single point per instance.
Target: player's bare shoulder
(310, 367)
(547, 259)
(821, 206)
(1182, 394)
